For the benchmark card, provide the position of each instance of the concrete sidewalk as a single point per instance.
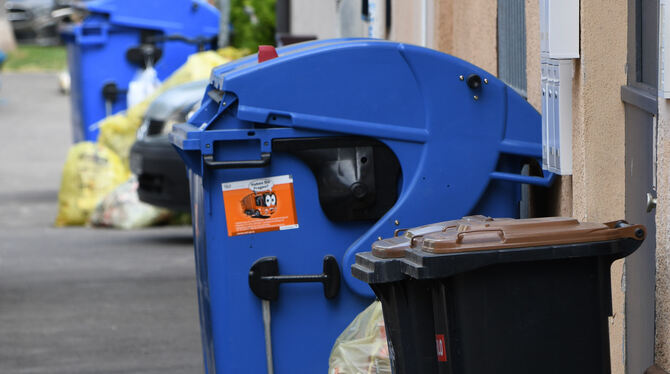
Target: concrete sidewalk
(78, 300)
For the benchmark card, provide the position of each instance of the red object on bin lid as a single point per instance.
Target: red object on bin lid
(266, 52)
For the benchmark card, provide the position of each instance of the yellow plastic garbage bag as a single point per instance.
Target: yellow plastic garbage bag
(91, 171)
(232, 53)
(118, 132)
(362, 347)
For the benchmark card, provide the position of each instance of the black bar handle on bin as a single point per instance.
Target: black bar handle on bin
(264, 161)
(264, 278)
(111, 91)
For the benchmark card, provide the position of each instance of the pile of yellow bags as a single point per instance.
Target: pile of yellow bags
(93, 170)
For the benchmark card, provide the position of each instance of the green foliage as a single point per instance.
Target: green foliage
(253, 23)
(36, 58)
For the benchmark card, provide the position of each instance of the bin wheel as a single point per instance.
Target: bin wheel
(257, 213)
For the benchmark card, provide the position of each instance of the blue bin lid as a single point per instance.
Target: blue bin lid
(184, 15)
(375, 88)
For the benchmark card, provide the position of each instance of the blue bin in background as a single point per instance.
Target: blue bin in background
(375, 136)
(117, 38)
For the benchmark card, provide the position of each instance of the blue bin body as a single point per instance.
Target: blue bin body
(97, 49)
(458, 156)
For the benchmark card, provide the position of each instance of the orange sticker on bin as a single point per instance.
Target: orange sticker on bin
(259, 205)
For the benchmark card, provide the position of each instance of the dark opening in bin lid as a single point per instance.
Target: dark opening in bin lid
(479, 233)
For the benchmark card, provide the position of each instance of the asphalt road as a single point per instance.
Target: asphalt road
(81, 300)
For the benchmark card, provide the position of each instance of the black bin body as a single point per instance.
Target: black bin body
(538, 309)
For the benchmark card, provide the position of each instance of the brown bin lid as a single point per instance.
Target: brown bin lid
(479, 233)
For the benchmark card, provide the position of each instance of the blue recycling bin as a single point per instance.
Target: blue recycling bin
(119, 37)
(300, 161)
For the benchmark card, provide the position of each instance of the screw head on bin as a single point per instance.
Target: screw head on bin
(639, 233)
(474, 81)
(359, 190)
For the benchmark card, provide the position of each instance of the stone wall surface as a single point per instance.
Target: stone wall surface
(598, 180)
(468, 29)
(663, 237)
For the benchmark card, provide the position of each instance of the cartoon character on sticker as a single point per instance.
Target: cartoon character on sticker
(259, 204)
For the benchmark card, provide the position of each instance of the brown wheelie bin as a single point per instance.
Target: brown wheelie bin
(481, 295)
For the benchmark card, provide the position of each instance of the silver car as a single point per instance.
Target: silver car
(32, 21)
(160, 171)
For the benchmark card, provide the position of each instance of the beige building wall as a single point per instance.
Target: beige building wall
(533, 84)
(598, 181)
(468, 29)
(663, 237)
